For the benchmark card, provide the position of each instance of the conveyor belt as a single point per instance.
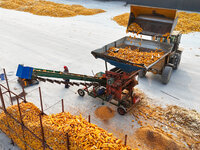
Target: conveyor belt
(58, 74)
(70, 83)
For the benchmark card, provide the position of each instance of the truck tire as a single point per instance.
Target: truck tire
(121, 110)
(177, 59)
(166, 74)
(81, 92)
(142, 73)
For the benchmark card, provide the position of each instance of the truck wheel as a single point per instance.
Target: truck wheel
(81, 92)
(176, 61)
(121, 110)
(142, 73)
(166, 74)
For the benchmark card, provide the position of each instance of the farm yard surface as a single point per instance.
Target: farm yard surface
(167, 117)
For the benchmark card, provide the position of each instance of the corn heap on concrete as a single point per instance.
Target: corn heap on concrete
(82, 134)
(188, 22)
(135, 56)
(122, 20)
(47, 8)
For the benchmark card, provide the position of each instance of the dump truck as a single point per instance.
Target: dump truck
(155, 23)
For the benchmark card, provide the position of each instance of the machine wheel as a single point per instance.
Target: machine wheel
(166, 74)
(81, 92)
(126, 103)
(142, 73)
(121, 110)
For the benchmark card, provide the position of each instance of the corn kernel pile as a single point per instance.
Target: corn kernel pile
(82, 134)
(47, 8)
(135, 56)
(122, 19)
(187, 22)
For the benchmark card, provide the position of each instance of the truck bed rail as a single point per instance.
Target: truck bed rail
(127, 66)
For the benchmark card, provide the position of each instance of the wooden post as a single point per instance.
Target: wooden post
(8, 86)
(89, 118)
(22, 125)
(24, 93)
(42, 132)
(41, 101)
(115, 44)
(125, 141)
(67, 135)
(62, 105)
(2, 100)
(106, 65)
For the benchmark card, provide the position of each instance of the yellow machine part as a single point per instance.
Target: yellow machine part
(145, 10)
(153, 21)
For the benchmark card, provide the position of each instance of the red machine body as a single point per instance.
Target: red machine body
(120, 87)
(117, 83)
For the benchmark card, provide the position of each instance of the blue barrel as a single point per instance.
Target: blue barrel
(2, 76)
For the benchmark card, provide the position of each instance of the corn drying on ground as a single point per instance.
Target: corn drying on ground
(135, 56)
(187, 22)
(47, 8)
(82, 134)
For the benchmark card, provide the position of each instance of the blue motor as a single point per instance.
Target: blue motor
(24, 72)
(101, 91)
